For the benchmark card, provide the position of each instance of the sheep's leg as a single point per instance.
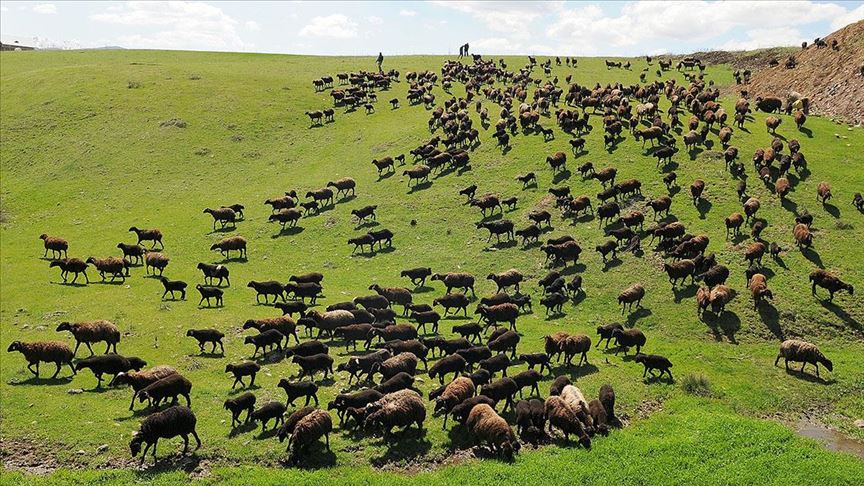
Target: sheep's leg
(144, 455)
(186, 444)
(89, 348)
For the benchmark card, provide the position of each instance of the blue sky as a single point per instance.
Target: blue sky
(432, 27)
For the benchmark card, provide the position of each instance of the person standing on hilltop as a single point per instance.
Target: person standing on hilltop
(380, 61)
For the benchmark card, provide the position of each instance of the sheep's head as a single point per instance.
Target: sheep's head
(15, 346)
(135, 443)
(190, 332)
(43, 236)
(229, 368)
(249, 340)
(64, 326)
(136, 363)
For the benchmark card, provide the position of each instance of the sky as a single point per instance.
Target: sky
(429, 27)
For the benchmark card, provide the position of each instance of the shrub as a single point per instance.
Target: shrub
(697, 384)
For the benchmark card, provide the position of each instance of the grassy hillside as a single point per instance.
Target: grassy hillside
(85, 155)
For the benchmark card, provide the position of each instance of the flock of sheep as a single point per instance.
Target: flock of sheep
(396, 350)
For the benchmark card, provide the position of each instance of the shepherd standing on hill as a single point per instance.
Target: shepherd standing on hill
(463, 50)
(380, 61)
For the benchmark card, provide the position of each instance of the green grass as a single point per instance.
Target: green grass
(84, 156)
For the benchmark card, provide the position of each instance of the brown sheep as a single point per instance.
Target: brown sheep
(74, 265)
(829, 282)
(226, 245)
(696, 190)
(781, 188)
(457, 391)
(734, 222)
(114, 266)
(720, 296)
(703, 300)
(395, 295)
(44, 351)
(139, 380)
(223, 216)
(823, 192)
(772, 122)
(92, 332)
(803, 236)
(309, 429)
(801, 351)
(631, 295)
(562, 417)
(153, 235)
(156, 261)
(57, 245)
(759, 289)
(487, 426)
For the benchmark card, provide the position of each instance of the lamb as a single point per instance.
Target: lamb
(456, 392)
(296, 390)
(239, 404)
(44, 351)
(109, 364)
(282, 324)
(453, 363)
(227, 245)
(553, 301)
(208, 293)
(167, 424)
(803, 236)
(239, 370)
(287, 217)
(156, 261)
(453, 301)
(399, 409)
(829, 282)
(417, 275)
(395, 295)
(361, 241)
(204, 336)
(489, 427)
(223, 216)
(88, 332)
(281, 202)
(74, 265)
(607, 398)
(598, 416)
(309, 365)
(631, 295)
(291, 307)
(562, 417)
(625, 338)
(58, 246)
(116, 267)
(303, 290)
(270, 410)
(360, 399)
(858, 201)
(510, 278)
(172, 386)
(527, 179)
(803, 352)
(719, 297)
(211, 271)
(428, 317)
(309, 429)
(153, 235)
(823, 192)
(654, 362)
(139, 380)
(267, 288)
(173, 286)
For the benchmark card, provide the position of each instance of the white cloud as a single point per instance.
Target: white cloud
(407, 13)
(759, 38)
(513, 18)
(3, 8)
(252, 25)
(373, 20)
(185, 25)
(45, 8)
(336, 26)
(848, 18)
(496, 45)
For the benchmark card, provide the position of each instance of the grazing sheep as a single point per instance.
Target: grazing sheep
(858, 201)
(417, 275)
(400, 381)
(171, 386)
(510, 278)
(74, 265)
(399, 409)
(303, 290)
(631, 295)
(211, 271)
(529, 378)
(343, 186)
(204, 336)
(772, 122)
(167, 424)
(109, 364)
(456, 392)
(453, 301)
(156, 261)
(44, 351)
(654, 362)
(606, 332)
(57, 245)
(227, 245)
(309, 429)
(829, 282)
(114, 266)
(208, 292)
(153, 235)
(598, 416)
(562, 417)
(239, 370)
(803, 352)
(139, 380)
(88, 332)
(401, 363)
(244, 402)
(270, 410)
(488, 427)
(720, 296)
(453, 363)
(309, 365)
(823, 192)
(223, 216)
(173, 286)
(607, 398)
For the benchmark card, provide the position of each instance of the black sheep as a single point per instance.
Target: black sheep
(171, 422)
(654, 362)
(238, 404)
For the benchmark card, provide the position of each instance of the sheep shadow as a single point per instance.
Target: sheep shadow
(681, 293)
(575, 371)
(577, 299)
(388, 175)
(491, 217)
(703, 207)
(33, 380)
(842, 315)
(70, 284)
(615, 262)
(423, 289)
(419, 187)
(237, 259)
(813, 256)
(271, 432)
(649, 379)
(729, 323)
(551, 316)
(532, 245)
(290, 231)
(771, 318)
(176, 462)
(636, 315)
(502, 245)
(807, 376)
(669, 166)
(242, 429)
(789, 205)
(831, 209)
(206, 354)
(367, 224)
(561, 176)
(577, 268)
(316, 457)
(408, 445)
